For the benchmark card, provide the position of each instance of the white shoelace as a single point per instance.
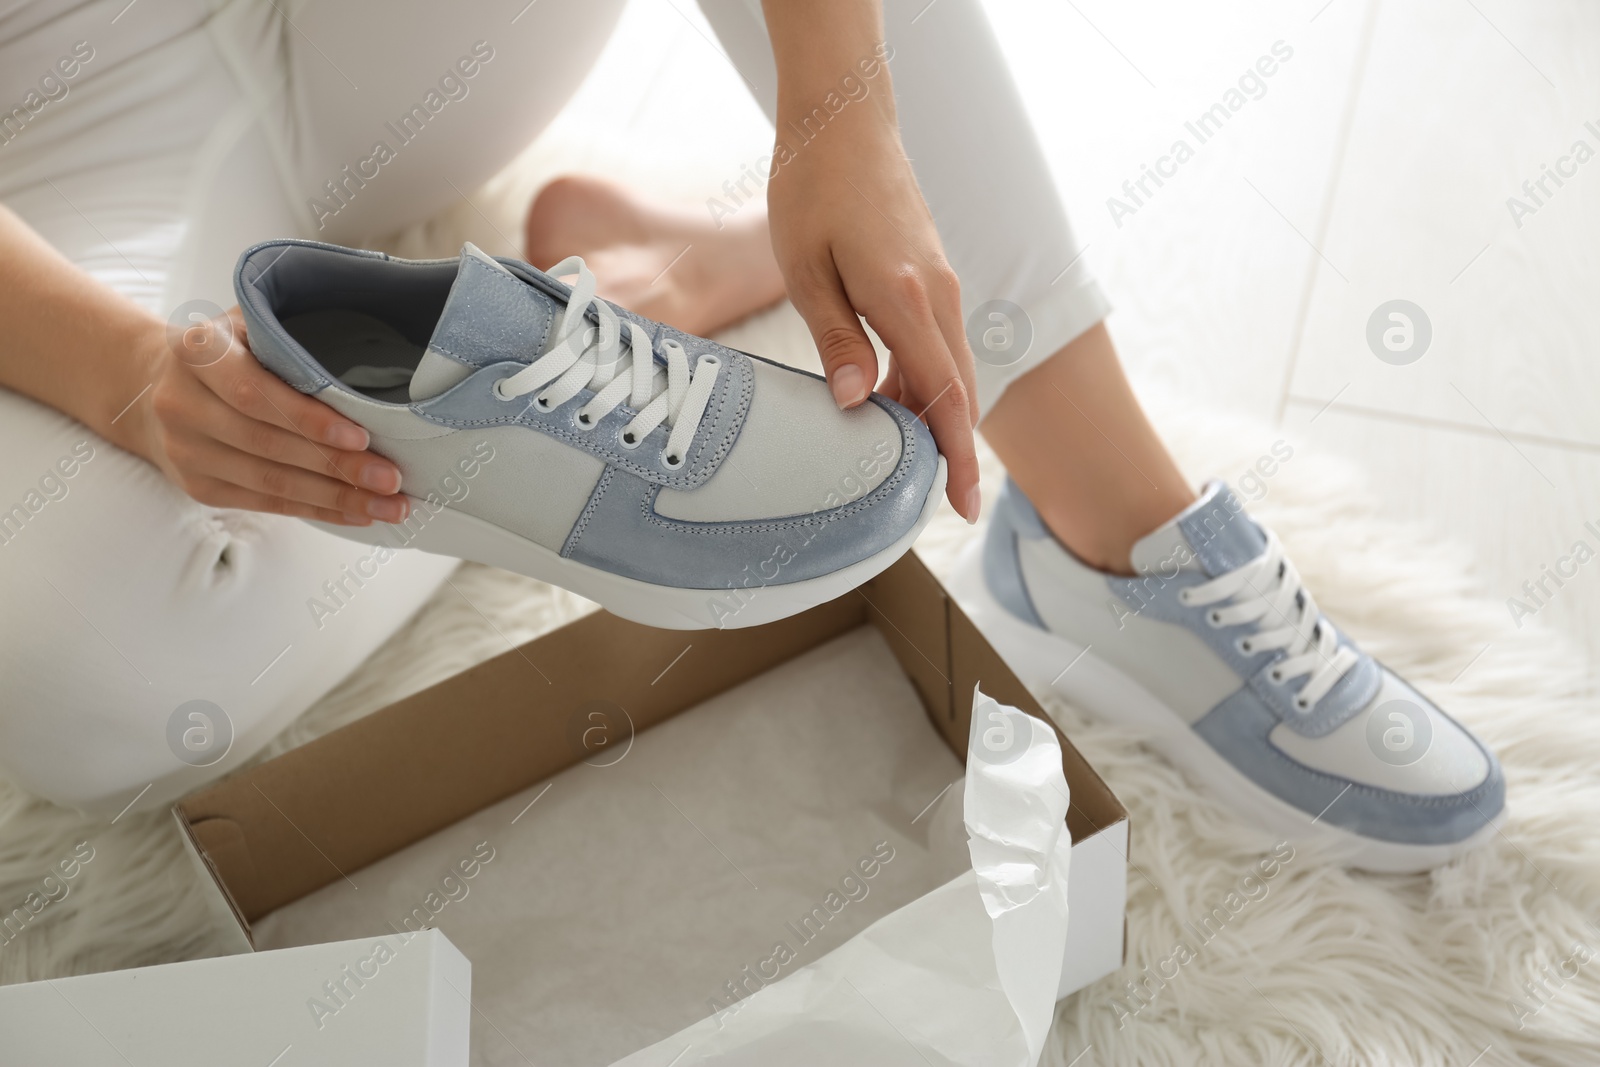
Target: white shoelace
(1268, 590)
(587, 355)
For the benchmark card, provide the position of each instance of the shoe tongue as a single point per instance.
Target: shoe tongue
(490, 316)
(1212, 536)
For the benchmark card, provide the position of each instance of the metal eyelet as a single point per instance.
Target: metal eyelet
(1302, 704)
(1184, 598)
(542, 402)
(1243, 645)
(627, 439)
(711, 361)
(1276, 675)
(672, 463)
(500, 393)
(583, 420)
(1214, 619)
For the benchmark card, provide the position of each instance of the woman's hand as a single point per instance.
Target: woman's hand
(853, 235)
(196, 404)
(233, 435)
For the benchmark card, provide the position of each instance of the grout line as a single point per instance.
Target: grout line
(1358, 77)
(1425, 421)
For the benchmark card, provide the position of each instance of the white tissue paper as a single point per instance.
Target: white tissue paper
(964, 976)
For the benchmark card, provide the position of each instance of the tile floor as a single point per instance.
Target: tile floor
(1374, 165)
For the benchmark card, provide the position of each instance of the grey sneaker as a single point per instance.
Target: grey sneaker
(1219, 655)
(542, 430)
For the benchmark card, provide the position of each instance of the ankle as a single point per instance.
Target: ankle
(1103, 534)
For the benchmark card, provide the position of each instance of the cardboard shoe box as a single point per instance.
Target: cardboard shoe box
(309, 822)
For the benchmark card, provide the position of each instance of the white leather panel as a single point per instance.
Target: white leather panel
(796, 454)
(1174, 665)
(520, 479)
(1449, 761)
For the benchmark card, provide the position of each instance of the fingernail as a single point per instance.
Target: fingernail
(381, 478)
(974, 505)
(849, 386)
(346, 435)
(388, 508)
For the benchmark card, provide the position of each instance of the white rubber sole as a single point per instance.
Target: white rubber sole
(1044, 662)
(447, 532)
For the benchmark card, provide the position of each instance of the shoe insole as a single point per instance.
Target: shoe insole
(361, 350)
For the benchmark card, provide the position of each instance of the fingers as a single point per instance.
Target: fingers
(933, 383)
(891, 386)
(848, 358)
(250, 389)
(292, 490)
(947, 313)
(219, 494)
(234, 435)
(363, 470)
(949, 417)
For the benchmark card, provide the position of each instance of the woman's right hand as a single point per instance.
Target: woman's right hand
(232, 434)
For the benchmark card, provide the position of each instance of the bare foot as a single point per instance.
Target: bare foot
(669, 264)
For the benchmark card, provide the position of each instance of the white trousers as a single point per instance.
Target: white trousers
(140, 630)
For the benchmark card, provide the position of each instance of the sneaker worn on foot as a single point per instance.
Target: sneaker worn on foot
(545, 431)
(1220, 656)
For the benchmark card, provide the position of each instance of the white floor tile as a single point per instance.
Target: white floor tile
(1208, 277)
(1462, 103)
(1519, 507)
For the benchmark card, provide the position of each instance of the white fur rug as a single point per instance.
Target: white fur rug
(1492, 960)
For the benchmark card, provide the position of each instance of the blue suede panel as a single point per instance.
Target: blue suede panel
(620, 531)
(275, 350)
(1238, 729)
(1221, 534)
(495, 318)
(1012, 517)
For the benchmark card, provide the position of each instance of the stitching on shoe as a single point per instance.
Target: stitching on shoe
(723, 443)
(1322, 722)
(1451, 800)
(819, 519)
(589, 509)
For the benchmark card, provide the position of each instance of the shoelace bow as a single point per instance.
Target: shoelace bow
(1268, 590)
(583, 355)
